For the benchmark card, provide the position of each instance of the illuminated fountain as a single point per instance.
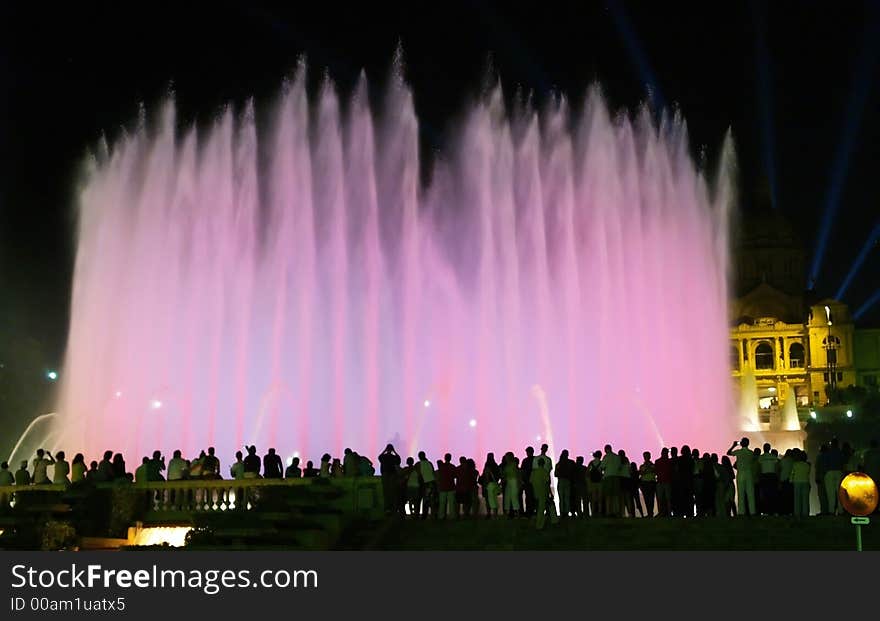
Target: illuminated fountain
(288, 282)
(748, 400)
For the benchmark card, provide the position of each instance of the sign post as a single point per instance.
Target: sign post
(858, 521)
(858, 495)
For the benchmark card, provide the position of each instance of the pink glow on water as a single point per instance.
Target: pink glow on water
(287, 282)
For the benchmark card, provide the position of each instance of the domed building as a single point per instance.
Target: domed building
(784, 346)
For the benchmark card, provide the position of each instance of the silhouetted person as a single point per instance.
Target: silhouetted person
(94, 475)
(834, 463)
(663, 468)
(365, 466)
(336, 470)
(489, 480)
(119, 471)
(413, 482)
(526, 472)
(78, 468)
(177, 467)
(22, 476)
(272, 466)
(293, 470)
(252, 463)
(389, 470)
(800, 481)
(157, 466)
(106, 467)
(541, 486)
(768, 484)
(325, 465)
(211, 465)
(871, 463)
(725, 504)
(708, 483)
(6, 479)
(41, 462)
(684, 467)
(611, 483)
(236, 469)
(61, 470)
(594, 484)
(850, 459)
(430, 499)
(548, 463)
(446, 488)
(579, 502)
(350, 463)
(819, 478)
(745, 481)
(634, 504)
(563, 474)
(786, 489)
(465, 482)
(510, 474)
(142, 473)
(310, 471)
(648, 482)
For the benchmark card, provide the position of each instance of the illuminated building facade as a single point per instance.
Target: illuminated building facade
(785, 346)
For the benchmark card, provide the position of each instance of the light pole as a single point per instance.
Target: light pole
(830, 354)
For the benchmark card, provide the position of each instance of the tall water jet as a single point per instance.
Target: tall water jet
(287, 282)
(748, 400)
(790, 420)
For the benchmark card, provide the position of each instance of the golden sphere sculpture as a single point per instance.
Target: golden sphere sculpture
(858, 494)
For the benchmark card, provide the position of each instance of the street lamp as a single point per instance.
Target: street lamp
(830, 354)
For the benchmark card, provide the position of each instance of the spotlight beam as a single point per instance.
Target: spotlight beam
(872, 240)
(856, 106)
(867, 305)
(764, 97)
(637, 55)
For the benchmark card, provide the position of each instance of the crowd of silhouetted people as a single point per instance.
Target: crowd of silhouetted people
(680, 482)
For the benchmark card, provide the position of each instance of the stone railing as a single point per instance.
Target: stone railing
(348, 495)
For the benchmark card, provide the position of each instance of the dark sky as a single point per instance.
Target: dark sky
(70, 70)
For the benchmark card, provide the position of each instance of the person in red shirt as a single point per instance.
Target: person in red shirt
(446, 487)
(663, 467)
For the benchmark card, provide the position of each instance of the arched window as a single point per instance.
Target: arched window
(734, 357)
(764, 356)
(831, 348)
(796, 356)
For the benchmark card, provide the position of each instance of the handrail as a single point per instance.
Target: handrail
(197, 483)
(223, 494)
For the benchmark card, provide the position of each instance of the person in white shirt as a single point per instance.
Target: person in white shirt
(177, 469)
(41, 462)
(548, 463)
(429, 486)
(236, 470)
(745, 479)
(611, 483)
(62, 469)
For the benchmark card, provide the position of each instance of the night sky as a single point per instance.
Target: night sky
(796, 82)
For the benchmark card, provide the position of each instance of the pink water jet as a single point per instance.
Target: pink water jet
(563, 275)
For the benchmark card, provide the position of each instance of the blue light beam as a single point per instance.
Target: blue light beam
(868, 304)
(872, 240)
(638, 56)
(864, 78)
(764, 97)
